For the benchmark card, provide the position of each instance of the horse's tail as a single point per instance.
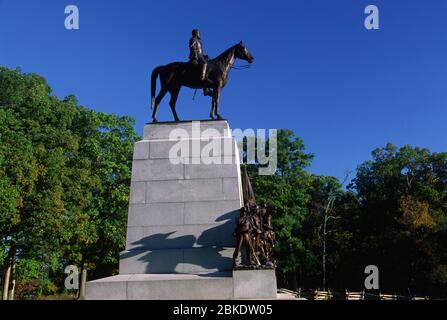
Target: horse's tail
(154, 77)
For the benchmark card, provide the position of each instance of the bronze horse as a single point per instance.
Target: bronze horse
(180, 74)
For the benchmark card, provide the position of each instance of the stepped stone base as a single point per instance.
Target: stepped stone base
(253, 284)
(186, 193)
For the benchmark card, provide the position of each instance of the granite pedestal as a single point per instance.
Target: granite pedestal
(186, 192)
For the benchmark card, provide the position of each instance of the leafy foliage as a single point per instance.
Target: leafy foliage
(64, 179)
(393, 215)
(287, 192)
(402, 204)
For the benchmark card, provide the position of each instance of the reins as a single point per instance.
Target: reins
(243, 67)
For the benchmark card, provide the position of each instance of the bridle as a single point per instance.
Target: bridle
(242, 67)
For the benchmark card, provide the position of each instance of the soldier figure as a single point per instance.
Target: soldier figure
(256, 220)
(269, 234)
(244, 229)
(196, 56)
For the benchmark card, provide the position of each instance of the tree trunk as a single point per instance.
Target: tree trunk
(324, 253)
(10, 265)
(6, 281)
(83, 282)
(295, 280)
(13, 277)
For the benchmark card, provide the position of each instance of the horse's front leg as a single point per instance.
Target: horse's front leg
(217, 100)
(213, 107)
(212, 110)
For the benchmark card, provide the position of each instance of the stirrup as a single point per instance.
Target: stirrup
(207, 92)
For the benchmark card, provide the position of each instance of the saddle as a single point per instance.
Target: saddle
(197, 69)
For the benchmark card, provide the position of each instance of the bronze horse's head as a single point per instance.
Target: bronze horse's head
(241, 52)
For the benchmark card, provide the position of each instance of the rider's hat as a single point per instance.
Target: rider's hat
(196, 33)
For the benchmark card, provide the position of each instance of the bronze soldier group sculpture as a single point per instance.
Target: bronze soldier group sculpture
(254, 231)
(255, 237)
(211, 75)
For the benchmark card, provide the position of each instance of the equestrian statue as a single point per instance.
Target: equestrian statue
(211, 75)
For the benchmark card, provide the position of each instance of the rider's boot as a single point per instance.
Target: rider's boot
(206, 91)
(204, 67)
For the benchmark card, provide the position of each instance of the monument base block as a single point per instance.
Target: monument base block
(248, 284)
(218, 286)
(254, 284)
(185, 198)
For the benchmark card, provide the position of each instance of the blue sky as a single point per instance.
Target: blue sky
(343, 89)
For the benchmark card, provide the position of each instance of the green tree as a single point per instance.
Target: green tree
(103, 160)
(322, 224)
(402, 198)
(34, 139)
(287, 192)
(64, 181)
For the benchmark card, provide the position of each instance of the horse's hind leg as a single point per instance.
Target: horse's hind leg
(160, 97)
(172, 103)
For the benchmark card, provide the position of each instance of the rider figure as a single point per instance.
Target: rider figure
(197, 56)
